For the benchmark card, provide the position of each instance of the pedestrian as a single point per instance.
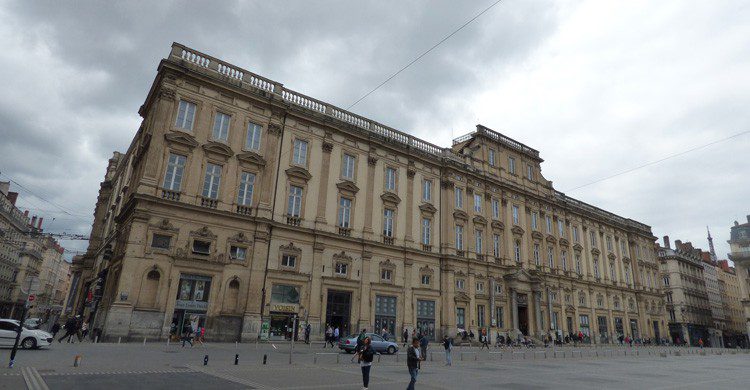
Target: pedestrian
(335, 335)
(187, 337)
(329, 335)
(55, 329)
(448, 345)
(203, 334)
(71, 328)
(423, 342)
(308, 328)
(360, 340)
(700, 343)
(413, 359)
(405, 336)
(365, 361)
(485, 341)
(498, 340)
(84, 331)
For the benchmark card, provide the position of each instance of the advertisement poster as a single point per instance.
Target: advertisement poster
(264, 328)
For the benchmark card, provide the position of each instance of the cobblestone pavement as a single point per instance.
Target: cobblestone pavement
(161, 366)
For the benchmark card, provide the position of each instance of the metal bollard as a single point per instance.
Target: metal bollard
(205, 360)
(264, 358)
(236, 359)
(144, 341)
(77, 361)
(118, 340)
(96, 339)
(338, 358)
(167, 341)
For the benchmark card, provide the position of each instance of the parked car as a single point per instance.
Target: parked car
(30, 338)
(380, 345)
(32, 323)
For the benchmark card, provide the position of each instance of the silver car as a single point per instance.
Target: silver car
(349, 344)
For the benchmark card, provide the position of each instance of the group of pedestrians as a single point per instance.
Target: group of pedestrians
(74, 326)
(332, 336)
(191, 335)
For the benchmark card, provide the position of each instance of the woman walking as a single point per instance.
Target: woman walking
(366, 354)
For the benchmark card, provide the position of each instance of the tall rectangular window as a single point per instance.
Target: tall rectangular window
(347, 167)
(549, 224)
(529, 172)
(534, 217)
(294, 207)
(175, 169)
(426, 231)
(345, 212)
(609, 243)
(515, 215)
(247, 186)
(550, 257)
(390, 179)
(593, 238)
(254, 131)
(575, 233)
(495, 209)
(496, 245)
(461, 317)
(459, 194)
(517, 250)
(459, 237)
(564, 260)
(388, 222)
(537, 260)
(299, 156)
(477, 203)
(512, 165)
(211, 181)
(612, 274)
(561, 228)
(596, 267)
(221, 127)
(492, 157)
(578, 264)
(499, 320)
(478, 241)
(622, 248)
(426, 190)
(480, 315)
(185, 115)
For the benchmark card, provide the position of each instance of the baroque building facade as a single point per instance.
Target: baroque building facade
(739, 246)
(242, 206)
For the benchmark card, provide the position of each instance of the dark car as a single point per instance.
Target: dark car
(380, 345)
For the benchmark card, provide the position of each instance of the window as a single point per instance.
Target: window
(492, 157)
(294, 207)
(237, 252)
(627, 275)
(515, 215)
(478, 241)
(622, 248)
(564, 259)
(459, 237)
(285, 294)
(480, 315)
(669, 297)
(549, 224)
(345, 212)
(609, 243)
(252, 142)
(247, 185)
(495, 209)
(498, 289)
(550, 257)
(386, 274)
(536, 255)
(529, 172)
(517, 250)
(561, 228)
(221, 127)
(347, 167)
(426, 231)
(480, 287)
(299, 156)
(496, 245)
(211, 181)
(160, 241)
(201, 247)
(575, 234)
(582, 299)
(534, 218)
(341, 268)
(288, 261)
(461, 317)
(593, 238)
(459, 193)
(459, 284)
(390, 179)
(512, 165)
(666, 280)
(499, 319)
(612, 274)
(185, 115)
(672, 316)
(426, 280)
(388, 222)
(477, 203)
(599, 301)
(175, 169)
(426, 190)
(596, 267)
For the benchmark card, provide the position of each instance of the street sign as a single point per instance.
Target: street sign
(32, 297)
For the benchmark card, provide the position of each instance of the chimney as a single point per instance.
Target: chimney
(666, 242)
(39, 226)
(678, 244)
(12, 197)
(748, 219)
(33, 221)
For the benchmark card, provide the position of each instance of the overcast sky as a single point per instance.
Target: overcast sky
(597, 87)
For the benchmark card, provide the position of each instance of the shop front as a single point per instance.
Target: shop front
(191, 304)
(283, 311)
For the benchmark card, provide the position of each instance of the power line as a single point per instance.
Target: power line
(425, 53)
(660, 160)
(63, 209)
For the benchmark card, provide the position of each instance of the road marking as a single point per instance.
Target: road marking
(230, 377)
(33, 380)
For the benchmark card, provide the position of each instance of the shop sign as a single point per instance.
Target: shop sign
(191, 305)
(284, 307)
(264, 329)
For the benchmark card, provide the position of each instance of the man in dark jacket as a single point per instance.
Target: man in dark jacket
(423, 345)
(71, 329)
(413, 358)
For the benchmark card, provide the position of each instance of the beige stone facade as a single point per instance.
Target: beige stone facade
(739, 245)
(241, 204)
(13, 228)
(735, 332)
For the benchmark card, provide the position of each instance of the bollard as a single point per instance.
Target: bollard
(265, 357)
(144, 341)
(167, 341)
(236, 359)
(205, 360)
(235, 345)
(96, 339)
(338, 358)
(118, 340)
(77, 361)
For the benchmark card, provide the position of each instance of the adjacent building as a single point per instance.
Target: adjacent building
(715, 301)
(244, 206)
(739, 245)
(735, 333)
(688, 305)
(14, 224)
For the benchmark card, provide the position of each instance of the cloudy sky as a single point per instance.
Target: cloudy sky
(598, 87)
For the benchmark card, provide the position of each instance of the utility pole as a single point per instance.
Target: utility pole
(30, 281)
(294, 333)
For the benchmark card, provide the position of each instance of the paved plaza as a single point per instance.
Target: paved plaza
(159, 366)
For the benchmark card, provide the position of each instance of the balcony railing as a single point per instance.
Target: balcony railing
(209, 203)
(345, 231)
(244, 210)
(427, 248)
(480, 257)
(170, 195)
(293, 220)
(388, 240)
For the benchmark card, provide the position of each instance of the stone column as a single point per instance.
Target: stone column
(268, 183)
(253, 312)
(372, 162)
(549, 307)
(538, 312)
(408, 313)
(320, 218)
(514, 309)
(593, 320)
(315, 312)
(365, 299)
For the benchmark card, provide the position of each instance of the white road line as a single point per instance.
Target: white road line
(230, 378)
(33, 380)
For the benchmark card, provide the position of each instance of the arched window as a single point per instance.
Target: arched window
(149, 289)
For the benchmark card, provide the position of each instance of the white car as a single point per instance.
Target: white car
(30, 338)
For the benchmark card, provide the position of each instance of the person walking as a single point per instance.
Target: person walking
(413, 359)
(71, 328)
(55, 329)
(700, 343)
(448, 345)
(405, 336)
(366, 354)
(308, 328)
(485, 341)
(329, 336)
(335, 335)
(423, 342)
(187, 337)
(360, 340)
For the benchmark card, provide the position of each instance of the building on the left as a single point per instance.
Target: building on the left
(26, 252)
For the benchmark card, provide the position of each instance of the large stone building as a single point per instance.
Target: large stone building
(688, 305)
(715, 301)
(241, 204)
(735, 333)
(739, 245)
(13, 227)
